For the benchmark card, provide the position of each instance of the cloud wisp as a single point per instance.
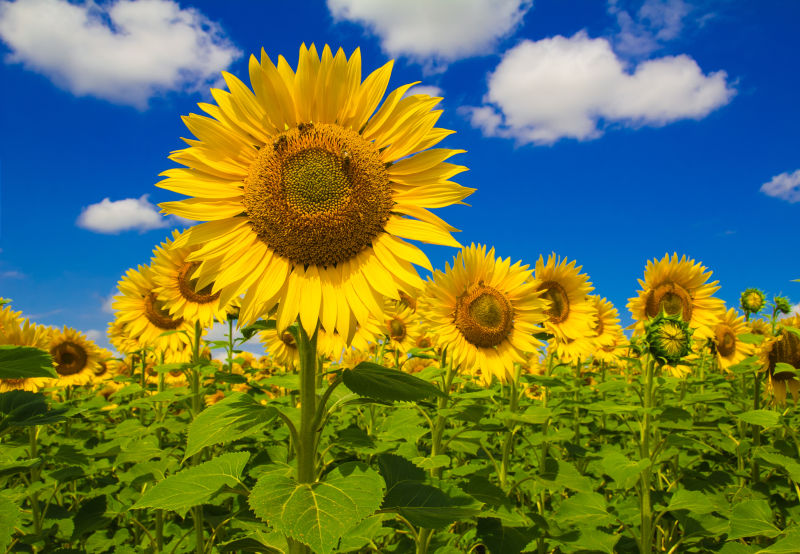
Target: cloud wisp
(434, 33)
(655, 22)
(573, 87)
(112, 217)
(785, 186)
(123, 51)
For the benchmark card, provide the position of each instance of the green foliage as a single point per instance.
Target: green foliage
(381, 383)
(22, 362)
(318, 514)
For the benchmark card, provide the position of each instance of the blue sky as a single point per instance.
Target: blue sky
(608, 132)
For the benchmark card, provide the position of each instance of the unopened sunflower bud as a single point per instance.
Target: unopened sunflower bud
(669, 338)
(782, 304)
(752, 300)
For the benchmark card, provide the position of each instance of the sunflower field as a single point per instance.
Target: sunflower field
(494, 406)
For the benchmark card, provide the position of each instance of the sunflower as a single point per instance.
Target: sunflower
(729, 349)
(105, 368)
(677, 286)
(16, 331)
(572, 350)
(570, 314)
(282, 347)
(144, 318)
(398, 326)
(176, 286)
(783, 348)
(308, 192)
(485, 312)
(333, 345)
(74, 356)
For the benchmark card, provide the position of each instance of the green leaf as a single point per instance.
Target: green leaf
(195, 485)
(694, 501)
(318, 514)
(752, 518)
(791, 465)
(763, 418)
(434, 462)
(584, 508)
(20, 408)
(786, 545)
(560, 473)
(784, 369)
(9, 518)
(497, 538)
(428, 506)
(260, 325)
(22, 362)
(381, 383)
(394, 468)
(624, 471)
(535, 415)
(750, 338)
(232, 418)
(90, 517)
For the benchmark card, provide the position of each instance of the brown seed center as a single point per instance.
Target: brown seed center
(157, 315)
(397, 329)
(785, 350)
(725, 340)
(188, 286)
(671, 298)
(484, 316)
(70, 358)
(559, 301)
(318, 195)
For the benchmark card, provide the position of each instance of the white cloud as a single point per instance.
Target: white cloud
(219, 331)
(11, 274)
(643, 32)
(124, 51)
(440, 30)
(430, 90)
(95, 335)
(571, 87)
(122, 215)
(785, 186)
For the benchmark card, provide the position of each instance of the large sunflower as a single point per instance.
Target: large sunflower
(16, 331)
(729, 349)
(176, 286)
(570, 315)
(144, 318)
(783, 348)
(677, 286)
(485, 312)
(308, 192)
(75, 357)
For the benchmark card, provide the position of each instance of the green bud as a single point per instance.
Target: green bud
(782, 304)
(669, 338)
(752, 300)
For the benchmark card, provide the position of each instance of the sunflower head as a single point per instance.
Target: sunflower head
(308, 186)
(752, 300)
(74, 356)
(782, 304)
(669, 338)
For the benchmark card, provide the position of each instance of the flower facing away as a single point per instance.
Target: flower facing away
(570, 315)
(782, 349)
(484, 311)
(752, 301)
(678, 287)
(729, 349)
(782, 305)
(669, 338)
(308, 185)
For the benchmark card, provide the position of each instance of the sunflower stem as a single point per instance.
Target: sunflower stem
(197, 511)
(756, 470)
(513, 402)
(646, 538)
(34, 453)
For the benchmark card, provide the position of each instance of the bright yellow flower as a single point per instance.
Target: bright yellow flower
(730, 350)
(75, 357)
(308, 192)
(570, 314)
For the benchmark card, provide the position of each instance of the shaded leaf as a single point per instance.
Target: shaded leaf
(381, 383)
(22, 362)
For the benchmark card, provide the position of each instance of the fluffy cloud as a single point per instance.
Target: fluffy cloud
(785, 186)
(124, 51)
(571, 87)
(430, 90)
(441, 30)
(122, 215)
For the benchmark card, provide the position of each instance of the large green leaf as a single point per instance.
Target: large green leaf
(791, 465)
(584, 509)
(694, 501)
(195, 485)
(9, 518)
(428, 506)
(318, 514)
(234, 417)
(763, 418)
(498, 538)
(22, 362)
(20, 408)
(381, 383)
(752, 518)
(786, 545)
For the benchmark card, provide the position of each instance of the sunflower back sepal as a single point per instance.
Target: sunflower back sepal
(389, 385)
(669, 338)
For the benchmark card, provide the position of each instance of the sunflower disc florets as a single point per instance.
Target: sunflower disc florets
(669, 338)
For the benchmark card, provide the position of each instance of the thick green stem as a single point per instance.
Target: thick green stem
(756, 470)
(646, 539)
(509, 438)
(306, 447)
(34, 452)
(197, 406)
(230, 345)
(159, 530)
